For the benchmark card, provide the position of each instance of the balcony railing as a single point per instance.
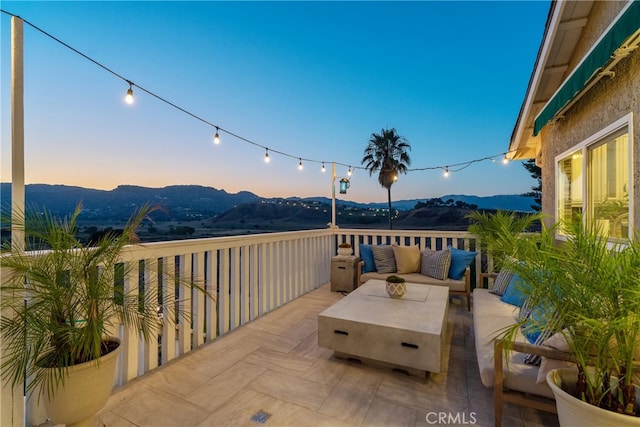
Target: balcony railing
(248, 276)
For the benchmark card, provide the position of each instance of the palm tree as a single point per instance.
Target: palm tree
(387, 152)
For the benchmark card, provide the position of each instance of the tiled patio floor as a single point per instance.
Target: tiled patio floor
(273, 367)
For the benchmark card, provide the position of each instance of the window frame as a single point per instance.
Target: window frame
(593, 141)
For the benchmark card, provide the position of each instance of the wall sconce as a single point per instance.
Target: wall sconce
(344, 184)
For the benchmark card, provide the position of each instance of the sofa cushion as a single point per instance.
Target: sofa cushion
(559, 342)
(460, 260)
(407, 258)
(516, 292)
(436, 263)
(453, 285)
(501, 282)
(384, 258)
(550, 324)
(543, 320)
(366, 255)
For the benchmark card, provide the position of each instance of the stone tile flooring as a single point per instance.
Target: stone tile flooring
(271, 372)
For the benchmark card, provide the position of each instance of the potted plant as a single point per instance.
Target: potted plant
(58, 305)
(396, 286)
(344, 249)
(489, 228)
(585, 291)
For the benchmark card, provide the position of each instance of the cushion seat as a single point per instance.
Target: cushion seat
(454, 285)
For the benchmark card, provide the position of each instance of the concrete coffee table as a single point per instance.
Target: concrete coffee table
(408, 332)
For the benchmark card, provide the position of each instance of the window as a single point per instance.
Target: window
(593, 180)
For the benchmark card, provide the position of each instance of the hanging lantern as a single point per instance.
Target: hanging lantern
(344, 184)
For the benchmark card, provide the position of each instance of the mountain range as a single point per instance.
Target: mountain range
(184, 202)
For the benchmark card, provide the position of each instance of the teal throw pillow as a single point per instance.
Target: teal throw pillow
(515, 292)
(366, 255)
(460, 260)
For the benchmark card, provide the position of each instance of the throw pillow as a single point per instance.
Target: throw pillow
(501, 282)
(559, 342)
(525, 310)
(516, 292)
(542, 323)
(366, 255)
(407, 258)
(384, 259)
(546, 326)
(436, 263)
(460, 260)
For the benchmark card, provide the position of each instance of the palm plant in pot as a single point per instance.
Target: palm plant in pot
(59, 305)
(583, 293)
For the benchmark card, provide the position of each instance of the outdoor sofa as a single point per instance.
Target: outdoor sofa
(519, 379)
(425, 267)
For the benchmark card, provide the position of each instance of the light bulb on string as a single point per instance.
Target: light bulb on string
(323, 168)
(505, 160)
(129, 97)
(216, 138)
(300, 165)
(349, 171)
(395, 177)
(446, 172)
(266, 156)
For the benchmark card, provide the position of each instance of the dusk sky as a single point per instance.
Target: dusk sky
(310, 79)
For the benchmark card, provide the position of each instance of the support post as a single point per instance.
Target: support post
(17, 135)
(333, 195)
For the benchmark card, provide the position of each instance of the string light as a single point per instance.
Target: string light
(323, 168)
(395, 177)
(129, 97)
(505, 160)
(129, 100)
(446, 172)
(300, 164)
(266, 156)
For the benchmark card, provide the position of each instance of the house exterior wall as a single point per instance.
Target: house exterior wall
(609, 100)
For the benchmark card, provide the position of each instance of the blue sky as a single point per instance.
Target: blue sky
(311, 79)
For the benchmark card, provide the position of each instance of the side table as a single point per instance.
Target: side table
(344, 273)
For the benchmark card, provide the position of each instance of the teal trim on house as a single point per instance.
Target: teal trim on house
(622, 30)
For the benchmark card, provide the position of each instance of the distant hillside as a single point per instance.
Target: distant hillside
(278, 214)
(199, 203)
(178, 201)
(507, 202)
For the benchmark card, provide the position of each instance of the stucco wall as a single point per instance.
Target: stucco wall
(609, 100)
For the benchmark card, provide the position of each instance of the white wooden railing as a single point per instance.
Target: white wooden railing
(248, 276)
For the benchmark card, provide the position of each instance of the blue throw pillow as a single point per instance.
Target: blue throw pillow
(541, 319)
(460, 260)
(515, 292)
(366, 255)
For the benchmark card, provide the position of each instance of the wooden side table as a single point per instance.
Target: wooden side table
(344, 273)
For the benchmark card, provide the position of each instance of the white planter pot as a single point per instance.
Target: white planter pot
(574, 412)
(344, 251)
(86, 389)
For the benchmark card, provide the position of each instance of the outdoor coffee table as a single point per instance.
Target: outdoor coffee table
(369, 325)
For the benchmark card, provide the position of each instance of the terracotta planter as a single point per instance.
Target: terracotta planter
(86, 389)
(574, 412)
